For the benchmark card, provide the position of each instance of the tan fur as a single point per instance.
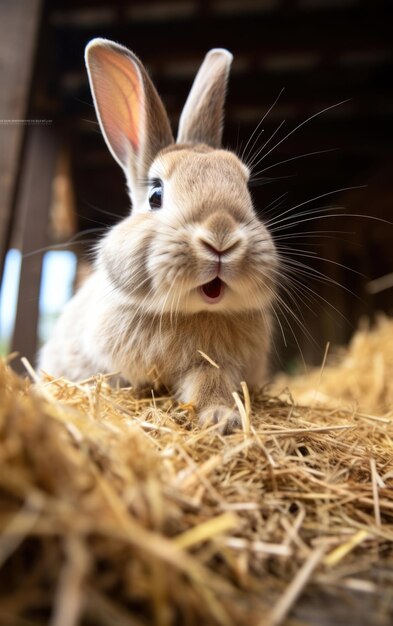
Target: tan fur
(141, 313)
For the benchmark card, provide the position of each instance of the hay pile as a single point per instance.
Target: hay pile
(361, 376)
(120, 511)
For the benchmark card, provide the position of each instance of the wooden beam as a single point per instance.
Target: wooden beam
(33, 207)
(326, 32)
(19, 23)
(258, 87)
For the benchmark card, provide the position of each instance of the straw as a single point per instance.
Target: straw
(117, 508)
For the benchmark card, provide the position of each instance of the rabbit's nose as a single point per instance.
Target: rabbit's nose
(219, 234)
(219, 250)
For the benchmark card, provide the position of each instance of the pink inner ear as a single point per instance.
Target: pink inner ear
(118, 93)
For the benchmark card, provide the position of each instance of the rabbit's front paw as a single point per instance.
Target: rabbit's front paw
(227, 418)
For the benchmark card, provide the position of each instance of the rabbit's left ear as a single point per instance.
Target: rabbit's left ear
(131, 115)
(202, 118)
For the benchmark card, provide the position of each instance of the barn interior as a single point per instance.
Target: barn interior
(317, 72)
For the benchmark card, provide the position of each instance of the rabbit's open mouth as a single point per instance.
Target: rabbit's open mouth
(213, 291)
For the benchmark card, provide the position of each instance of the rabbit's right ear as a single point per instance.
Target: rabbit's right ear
(130, 112)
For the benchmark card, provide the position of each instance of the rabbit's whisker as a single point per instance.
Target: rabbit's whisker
(326, 216)
(294, 283)
(104, 211)
(244, 156)
(312, 255)
(314, 198)
(60, 246)
(306, 121)
(295, 158)
(256, 155)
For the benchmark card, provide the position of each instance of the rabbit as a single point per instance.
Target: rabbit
(192, 269)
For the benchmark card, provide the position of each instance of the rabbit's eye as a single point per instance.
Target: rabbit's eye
(155, 195)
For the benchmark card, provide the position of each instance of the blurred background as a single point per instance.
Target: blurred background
(325, 148)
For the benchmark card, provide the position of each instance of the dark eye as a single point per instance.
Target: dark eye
(155, 195)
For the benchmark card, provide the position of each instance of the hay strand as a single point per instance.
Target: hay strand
(294, 589)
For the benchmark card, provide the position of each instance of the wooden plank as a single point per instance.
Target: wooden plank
(19, 20)
(33, 205)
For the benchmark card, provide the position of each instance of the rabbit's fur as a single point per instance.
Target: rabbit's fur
(143, 312)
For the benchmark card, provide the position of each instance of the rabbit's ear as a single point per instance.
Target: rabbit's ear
(131, 115)
(202, 118)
